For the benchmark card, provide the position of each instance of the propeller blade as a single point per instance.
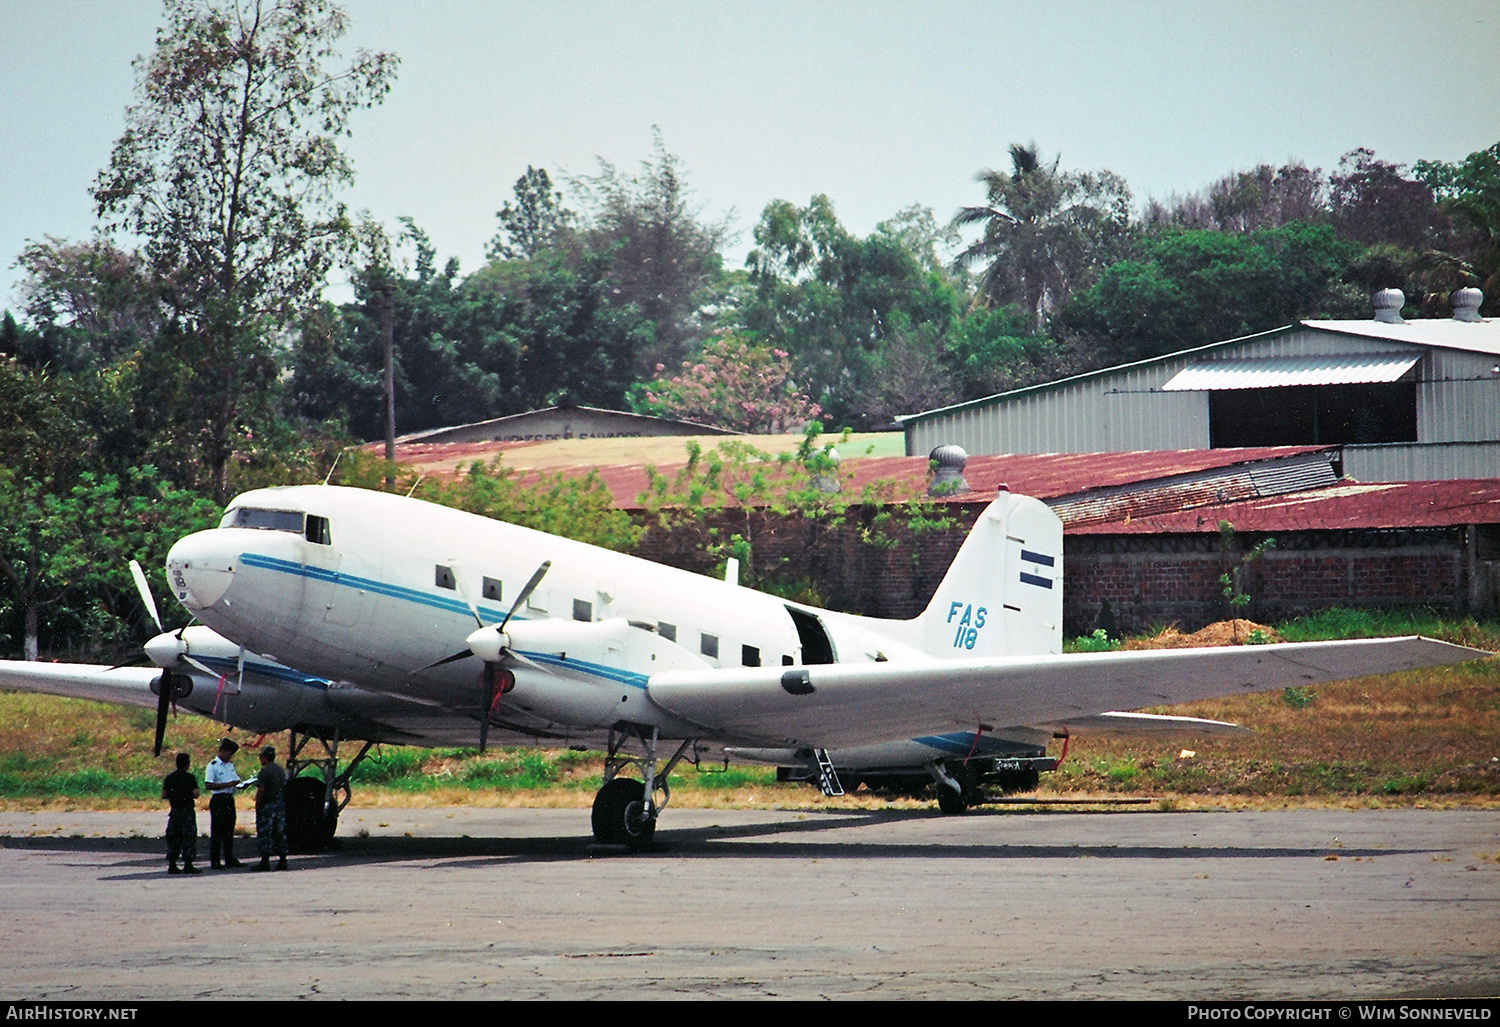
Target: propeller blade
(487, 685)
(536, 579)
(163, 703)
(458, 581)
(145, 590)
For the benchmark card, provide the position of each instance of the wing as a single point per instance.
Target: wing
(126, 686)
(837, 705)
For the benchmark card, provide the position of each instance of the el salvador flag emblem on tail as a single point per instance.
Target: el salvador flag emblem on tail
(1034, 566)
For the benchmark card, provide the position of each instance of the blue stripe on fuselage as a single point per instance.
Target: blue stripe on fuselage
(411, 595)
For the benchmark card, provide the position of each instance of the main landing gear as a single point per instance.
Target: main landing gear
(314, 801)
(625, 810)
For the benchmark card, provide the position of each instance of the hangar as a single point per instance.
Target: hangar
(1406, 400)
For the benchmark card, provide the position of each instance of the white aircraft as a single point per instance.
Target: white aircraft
(344, 614)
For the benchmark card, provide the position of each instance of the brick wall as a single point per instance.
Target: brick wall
(1125, 583)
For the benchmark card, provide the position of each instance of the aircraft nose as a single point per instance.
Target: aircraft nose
(200, 569)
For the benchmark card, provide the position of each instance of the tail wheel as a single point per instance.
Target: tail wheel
(621, 817)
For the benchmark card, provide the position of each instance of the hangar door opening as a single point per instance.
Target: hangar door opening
(1307, 400)
(1313, 415)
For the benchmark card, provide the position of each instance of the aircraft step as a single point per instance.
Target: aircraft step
(828, 778)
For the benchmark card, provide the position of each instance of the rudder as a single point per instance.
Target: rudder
(1003, 594)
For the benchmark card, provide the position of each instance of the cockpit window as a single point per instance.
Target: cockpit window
(317, 530)
(266, 520)
(310, 526)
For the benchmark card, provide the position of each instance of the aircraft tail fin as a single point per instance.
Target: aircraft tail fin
(1003, 594)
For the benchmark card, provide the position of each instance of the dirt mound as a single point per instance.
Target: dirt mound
(1224, 632)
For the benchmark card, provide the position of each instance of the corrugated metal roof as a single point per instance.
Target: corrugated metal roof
(1474, 336)
(1349, 505)
(1271, 488)
(1278, 372)
(1275, 476)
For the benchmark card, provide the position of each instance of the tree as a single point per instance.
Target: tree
(835, 301)
(91, 301)
(1196, 287)
(735, 384)
(1045, 232)
(1470, 195)
(229, 167)
(1244, 201)
(1374, 203)
(661, 255)
(534, 223)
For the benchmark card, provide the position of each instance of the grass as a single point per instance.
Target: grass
(1424, 737)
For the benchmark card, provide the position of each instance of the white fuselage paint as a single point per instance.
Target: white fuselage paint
(383, 601)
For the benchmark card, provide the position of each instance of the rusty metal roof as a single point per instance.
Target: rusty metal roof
(1270, 488)
(1348, 505)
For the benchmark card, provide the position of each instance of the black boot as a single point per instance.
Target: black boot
(264, 864)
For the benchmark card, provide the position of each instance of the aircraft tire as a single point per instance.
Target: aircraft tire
(309, 827)
(952, 802)
(618, 817)
(949, 801)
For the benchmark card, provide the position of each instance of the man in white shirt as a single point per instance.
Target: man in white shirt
(222, 779)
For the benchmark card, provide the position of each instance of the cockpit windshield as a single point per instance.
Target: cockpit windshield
(310, 526)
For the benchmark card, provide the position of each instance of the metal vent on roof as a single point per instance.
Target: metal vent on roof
(1280, 372)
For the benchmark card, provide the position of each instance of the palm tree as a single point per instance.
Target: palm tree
(1045, 231)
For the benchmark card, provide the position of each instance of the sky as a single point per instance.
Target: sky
(878, 104)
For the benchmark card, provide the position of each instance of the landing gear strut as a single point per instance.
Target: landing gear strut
(625, 810)
(314, 802)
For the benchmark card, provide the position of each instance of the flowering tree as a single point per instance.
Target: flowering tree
(735, 383)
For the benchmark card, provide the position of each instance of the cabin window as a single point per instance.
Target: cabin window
(317, 530)
(750, 655)
(583, 610)
(443, 576)
(709, 646)
(667, 631)
(492, 589)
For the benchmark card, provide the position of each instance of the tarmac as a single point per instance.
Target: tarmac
(1001, 903)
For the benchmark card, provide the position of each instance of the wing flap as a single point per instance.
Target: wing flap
(837, 705)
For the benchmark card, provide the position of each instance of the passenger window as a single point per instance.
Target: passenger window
(749, 656)
(710, 646)
(443, 576)
(583, 610)
(492, 589)
(667, 631)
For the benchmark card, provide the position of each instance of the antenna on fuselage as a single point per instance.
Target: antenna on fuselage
(329, 476)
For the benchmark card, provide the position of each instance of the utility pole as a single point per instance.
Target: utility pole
(385, 290)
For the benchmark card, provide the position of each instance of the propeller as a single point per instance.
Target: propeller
(491, 645)
(164, 650)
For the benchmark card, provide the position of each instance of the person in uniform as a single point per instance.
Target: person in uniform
(180, 789)
(270, 810)
(222, 779)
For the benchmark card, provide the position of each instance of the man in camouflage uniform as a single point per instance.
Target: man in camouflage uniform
(180, 789)
(270, 810)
